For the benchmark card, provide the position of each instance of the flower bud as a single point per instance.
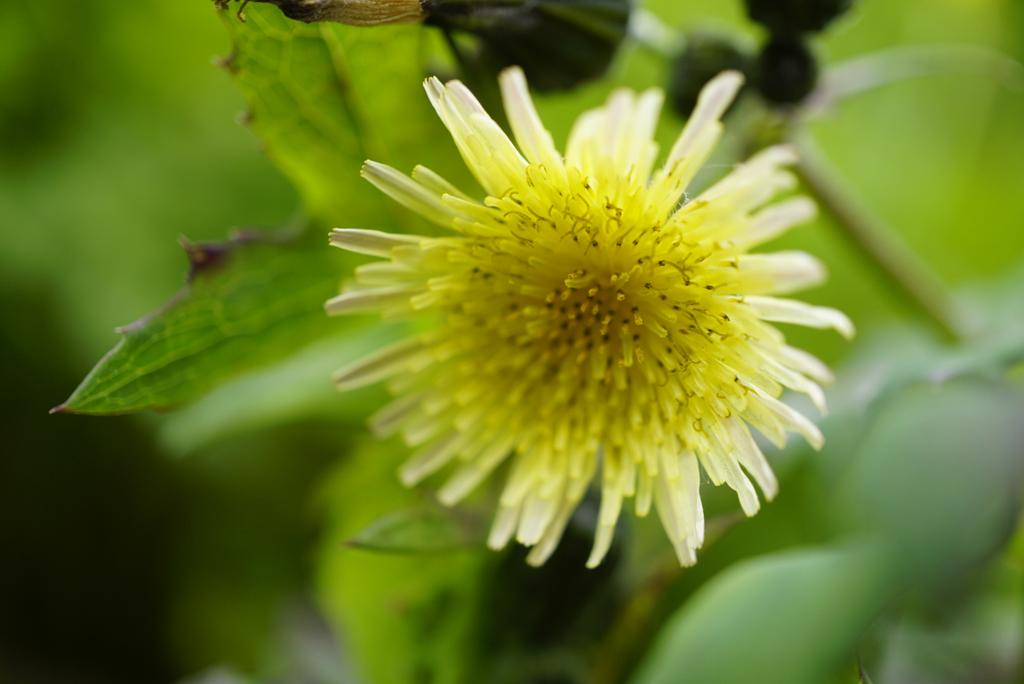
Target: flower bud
(356, 12)
(558, 43)
(786, 71)
(705, 56)
(793, 17)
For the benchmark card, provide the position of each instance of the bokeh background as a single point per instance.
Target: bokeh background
(208, 541)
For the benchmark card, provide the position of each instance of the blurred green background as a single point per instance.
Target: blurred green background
(162, 546)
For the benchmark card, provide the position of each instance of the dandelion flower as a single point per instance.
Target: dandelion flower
(590, 321)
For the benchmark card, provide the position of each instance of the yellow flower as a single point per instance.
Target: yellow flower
(589, 318)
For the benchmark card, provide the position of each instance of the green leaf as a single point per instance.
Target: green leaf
(422, 529)
(248, 301)
(325, 97)
(789, 618)
(939, 474)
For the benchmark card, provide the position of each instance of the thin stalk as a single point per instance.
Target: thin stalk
(873, 71)
(891, 260)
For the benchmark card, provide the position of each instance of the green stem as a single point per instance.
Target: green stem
(892, 261)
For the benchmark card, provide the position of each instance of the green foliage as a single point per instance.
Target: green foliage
(407, 618)
(938, 475)
(323, 98)
(247, 302)
(317, 102)
(419, 598)
(916, 514)
(788, 618)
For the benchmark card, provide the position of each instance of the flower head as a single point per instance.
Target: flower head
(590, 323)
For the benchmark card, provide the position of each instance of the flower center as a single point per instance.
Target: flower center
(588, 316)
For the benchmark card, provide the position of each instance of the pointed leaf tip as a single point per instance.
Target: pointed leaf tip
(261, 304)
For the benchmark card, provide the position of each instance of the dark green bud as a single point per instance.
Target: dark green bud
(558, 43)
(793, 17)
(786, 71)
(705, 56)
